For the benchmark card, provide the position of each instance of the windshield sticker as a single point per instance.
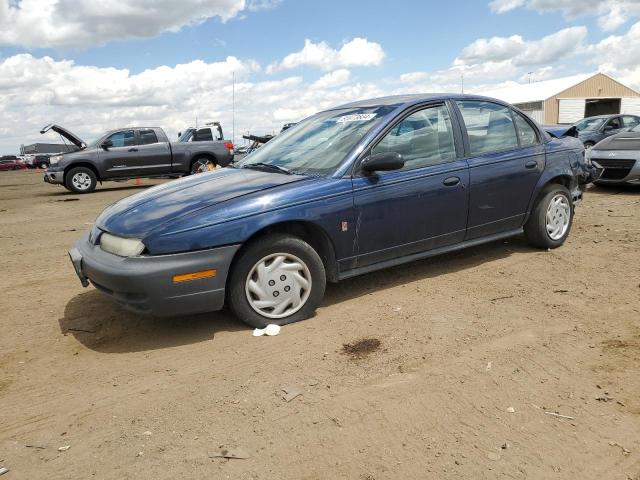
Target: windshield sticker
(356, 117)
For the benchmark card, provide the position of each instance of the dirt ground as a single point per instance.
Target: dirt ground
(497, 362)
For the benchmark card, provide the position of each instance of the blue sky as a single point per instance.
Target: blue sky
(98, 65)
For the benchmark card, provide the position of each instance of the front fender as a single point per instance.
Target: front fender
(325, 204)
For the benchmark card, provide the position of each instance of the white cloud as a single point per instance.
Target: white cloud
(90, 100)
(358, 52)
(611, 13)
(523, 53)
(82, 23)
(333, 79)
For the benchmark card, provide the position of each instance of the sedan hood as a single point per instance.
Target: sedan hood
(77, 141)
(137, 216)
(621, 141)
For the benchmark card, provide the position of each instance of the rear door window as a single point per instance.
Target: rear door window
(490, 127)
(630, 121)
(148, 137)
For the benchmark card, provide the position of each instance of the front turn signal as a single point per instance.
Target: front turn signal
(186, 277)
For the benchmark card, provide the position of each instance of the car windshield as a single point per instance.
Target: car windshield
(317, 145)
(589, 124)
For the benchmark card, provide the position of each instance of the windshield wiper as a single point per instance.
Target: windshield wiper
(269, 166)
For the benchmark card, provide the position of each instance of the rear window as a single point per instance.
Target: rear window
(203, 135)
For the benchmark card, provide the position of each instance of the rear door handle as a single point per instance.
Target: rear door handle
(133, 149)
(451, 181)
(531, 164)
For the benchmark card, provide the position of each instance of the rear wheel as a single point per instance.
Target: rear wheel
(202, 165)
(550, 221)
(279, 279)
(80, 180)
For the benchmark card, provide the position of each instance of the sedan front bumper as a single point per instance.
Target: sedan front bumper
(145, 284)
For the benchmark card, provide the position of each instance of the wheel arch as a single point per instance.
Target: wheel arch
(308, 231)
(88, 165)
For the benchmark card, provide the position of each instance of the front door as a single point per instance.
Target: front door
(506, 159)
(423, 205)
(119, 160)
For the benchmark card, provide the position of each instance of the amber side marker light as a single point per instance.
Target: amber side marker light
(186, 277)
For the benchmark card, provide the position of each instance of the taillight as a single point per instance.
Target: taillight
(229, 146)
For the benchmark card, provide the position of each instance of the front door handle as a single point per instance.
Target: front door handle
(531, 164)
(133, 149)
(451, 181)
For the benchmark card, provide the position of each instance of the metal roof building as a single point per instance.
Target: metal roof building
(569, 99)
(46, 148)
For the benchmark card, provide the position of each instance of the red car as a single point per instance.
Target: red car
(11, 163)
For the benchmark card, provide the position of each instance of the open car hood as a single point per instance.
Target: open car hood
(77, 141)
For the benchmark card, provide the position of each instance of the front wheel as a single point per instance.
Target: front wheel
(551, 219)
(43, 165)
(202, 165)
(80, 180)
(279, 279)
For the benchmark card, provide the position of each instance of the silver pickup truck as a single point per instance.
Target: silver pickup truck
(136, 152)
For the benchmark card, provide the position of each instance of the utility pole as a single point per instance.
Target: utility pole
(462, 82)
(530, 73)
(233, 108)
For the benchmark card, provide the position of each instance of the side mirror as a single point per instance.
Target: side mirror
(608, 128)
(107, 144)
(380, 162)
(179, 134)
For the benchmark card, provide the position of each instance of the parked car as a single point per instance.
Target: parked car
(11, 162)
(350, 190)
(203, 134)
(591, 130)
(40, 161)
(131, 153)
(620, 157)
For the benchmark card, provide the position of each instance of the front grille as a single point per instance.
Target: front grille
(615, 168)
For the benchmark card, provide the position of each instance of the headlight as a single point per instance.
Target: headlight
(55, 159)
(123, 247)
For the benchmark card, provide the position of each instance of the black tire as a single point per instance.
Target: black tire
(74, 186)
(202, 165)
(43, 165)
(256, 251)
(536, 227)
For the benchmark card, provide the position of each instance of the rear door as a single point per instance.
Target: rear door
(154, 155)
(119, 160)
(506, 158)
(422, 206)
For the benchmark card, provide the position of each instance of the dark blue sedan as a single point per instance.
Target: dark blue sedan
(347, 191)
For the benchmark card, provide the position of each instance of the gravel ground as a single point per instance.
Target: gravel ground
(496, 362)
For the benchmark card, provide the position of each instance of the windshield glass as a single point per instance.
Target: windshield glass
(317, 145)
(590, 124)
